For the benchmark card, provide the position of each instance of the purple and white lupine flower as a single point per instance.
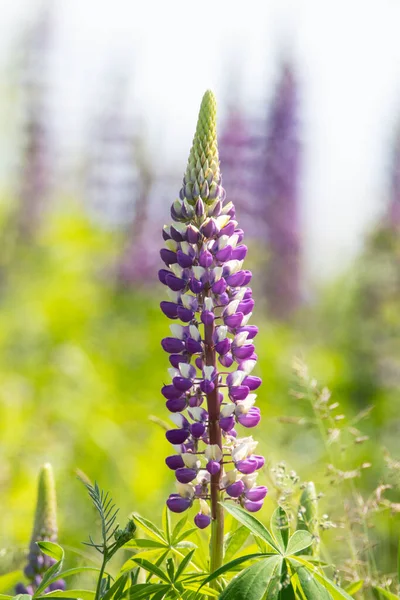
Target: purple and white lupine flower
(209, 294)
(44, 530)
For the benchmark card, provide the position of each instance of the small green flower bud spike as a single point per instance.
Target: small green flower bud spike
(45, 527)
(308, 516)
(202, 177)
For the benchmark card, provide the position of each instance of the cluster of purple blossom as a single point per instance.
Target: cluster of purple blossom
(208, 292)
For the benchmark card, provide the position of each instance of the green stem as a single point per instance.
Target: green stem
(100, 579)
(213, 406)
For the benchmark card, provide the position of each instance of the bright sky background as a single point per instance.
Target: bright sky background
(348, 56)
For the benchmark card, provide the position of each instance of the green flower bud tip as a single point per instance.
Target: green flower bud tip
(203, 164)
(308, 515)
(45, 527)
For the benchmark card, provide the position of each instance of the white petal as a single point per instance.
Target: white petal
(173, 296)
(203, 474)
(177, 270)
(198, 272)
(222, 241)
(187, 300)
(177, 419)
(247, 366)
(185, 370)
(226, 208)
(194, 333)
(185, 489)
(240, 293)
(197, 413)
(204, 507)
(222, 332)
(208, 372)
(233, 240)
(171, 245)
(240, 338)
(250, 480)
(222, 220)
(217, 272)
(228, 409)
(213, 452)
(185, 247)
(246, 319)
(173, 372)
(237, 377)
(231, 308)
(208, 304)
(177, 331)
(191, 460)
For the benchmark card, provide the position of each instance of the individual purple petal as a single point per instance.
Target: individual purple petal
(178, 504)
(162, 275)
(184, 260)
(176, 405)
(176, 359)
(228, 229)
(195, 285)
(226, 360)
(168, 256)
(213, 467)
(251, 418)
(192, 234)
(171, 392)
(236, 489)
(170, 309)
(223, 346)
(185, 314)
(227, 423)
(202, 521)
(172, 345)
(208, 228)
(207, 386)
(175, 283)
(224, 254)
(248, 277)
(174, 462)
(239, 392)
(177, 436)
(253, 383)
(219, 286)
(205, 259)
(175, 234)
(243, 352)
(257, 493)
(207, 317)
(199, 363)
(236, 280)
(252, 506)
(197, 430)
(234, 321)
(251, 331)
(246, 306)
(182, 384)
(223, 299)
(239, 253)
(58, 585)
(193, 346)
(247, 466)
(185, 475)
(260, 460)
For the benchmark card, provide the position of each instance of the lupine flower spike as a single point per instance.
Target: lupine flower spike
(45, 529)
(211, 350)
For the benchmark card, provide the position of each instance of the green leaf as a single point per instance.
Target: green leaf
(51, 549)
(166, 522)
(153, 569)
(235, 542)
(355, 587)
(386, 594)
(82, 594)
(170, 569)
(146, 590)
(184, 564)
(255, 582)
(312, 589)
(300, 540)
(228, 567)
(8, 580)
(185, 535)
(280, 528)
(51, 574)
(253, 524)
(336, 592)
(178, 527)
(145, 543)
(117, 588)
(73, 571)
(152, 530)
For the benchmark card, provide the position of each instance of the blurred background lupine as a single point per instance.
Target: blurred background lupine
(80, 357)
(44, 530)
